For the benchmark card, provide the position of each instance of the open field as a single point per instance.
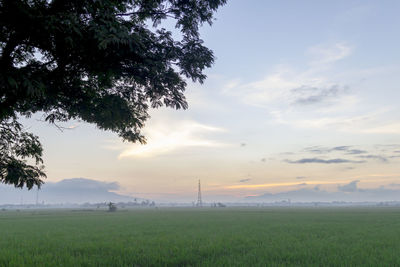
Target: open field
(204, 237)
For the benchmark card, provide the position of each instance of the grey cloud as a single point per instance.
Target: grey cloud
(388, 147)
(244, 180)
(348, 150)
(316, 149)
(243, 144)
(84, 184)
(305, 95)
(356, 151)
(341, 148)
(323, 161)
(263, 160)
(325, 150)
(350, 187)
(75, 190)
(377, 157)
(300, 177)
(351, 193)
(360, 154)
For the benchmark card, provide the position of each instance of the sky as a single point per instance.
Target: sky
(303, 97)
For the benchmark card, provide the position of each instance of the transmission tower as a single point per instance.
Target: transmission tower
(199, 201)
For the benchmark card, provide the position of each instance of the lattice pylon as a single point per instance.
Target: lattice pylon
(199, 201)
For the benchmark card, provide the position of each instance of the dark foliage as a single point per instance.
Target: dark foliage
(112, 207)
(101, 61)
(17, 145)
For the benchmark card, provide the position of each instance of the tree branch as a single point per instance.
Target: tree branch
(6, 59)
(165, 13)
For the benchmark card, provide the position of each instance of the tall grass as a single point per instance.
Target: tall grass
(202, 237)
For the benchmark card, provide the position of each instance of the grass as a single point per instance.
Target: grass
(202, 237)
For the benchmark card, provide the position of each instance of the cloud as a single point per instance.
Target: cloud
(287, 86)
(324, 150)
(389, 127)
(358, 155)
(350, 187)
(312, 95)
(244, 180)
(84, 184)
(377, 157)
(323, 161)
(300, 177)
(349, 193)
(319, 95)
(327, 54)
(349, 150)
(371, 121)
(317, 150)
(263, 160)
(366, 123)
(272, 185)
(341, 148)
(169, 136)
(356, 151)
(74, 190)
(388, 147)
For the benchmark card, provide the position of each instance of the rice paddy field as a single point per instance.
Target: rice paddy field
(202, 237)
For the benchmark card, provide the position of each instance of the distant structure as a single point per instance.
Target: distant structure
(112, 207)
(199, 201)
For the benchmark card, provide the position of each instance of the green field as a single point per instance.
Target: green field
(202, 237)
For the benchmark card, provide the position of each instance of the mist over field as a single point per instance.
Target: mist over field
(82, 190)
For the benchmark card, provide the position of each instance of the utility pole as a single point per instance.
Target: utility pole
(199, 201)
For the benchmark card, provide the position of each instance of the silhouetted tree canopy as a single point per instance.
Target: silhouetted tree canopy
(101, 61)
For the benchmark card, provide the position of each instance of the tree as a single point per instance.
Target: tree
(111, 207)
(105, 62)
